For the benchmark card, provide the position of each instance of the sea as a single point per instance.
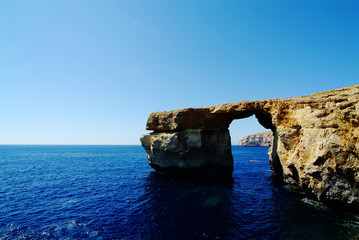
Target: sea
(110, 192)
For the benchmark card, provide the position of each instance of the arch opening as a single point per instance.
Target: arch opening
(240, 128)
(201, 148)
(248, 126)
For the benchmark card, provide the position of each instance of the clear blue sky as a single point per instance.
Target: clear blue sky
(91, 72)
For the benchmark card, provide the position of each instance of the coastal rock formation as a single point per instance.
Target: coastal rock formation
(263, 139)
(191, 152)
(315, 144)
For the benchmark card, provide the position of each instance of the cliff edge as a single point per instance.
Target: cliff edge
(263, 139)
(314, 148)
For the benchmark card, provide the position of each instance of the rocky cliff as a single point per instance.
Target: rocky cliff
(263, 139)
(315, 144)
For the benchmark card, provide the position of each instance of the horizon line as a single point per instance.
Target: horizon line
(65, 144)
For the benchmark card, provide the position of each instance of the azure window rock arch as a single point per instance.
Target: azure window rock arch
(195, 143)
(314, 148)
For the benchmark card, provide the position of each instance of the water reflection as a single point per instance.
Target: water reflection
(175, 209)
(253, 206)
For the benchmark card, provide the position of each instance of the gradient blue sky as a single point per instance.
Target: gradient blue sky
(91, 72)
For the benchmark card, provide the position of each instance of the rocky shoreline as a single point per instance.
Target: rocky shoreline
(314, 148)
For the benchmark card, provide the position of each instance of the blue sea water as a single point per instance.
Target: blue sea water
(110, 192)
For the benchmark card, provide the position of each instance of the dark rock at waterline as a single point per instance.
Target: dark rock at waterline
(314, 147)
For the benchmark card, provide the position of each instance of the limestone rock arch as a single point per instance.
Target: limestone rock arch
(315, 142)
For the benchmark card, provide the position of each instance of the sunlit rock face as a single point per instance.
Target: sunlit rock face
(314, 148)
(263, 139)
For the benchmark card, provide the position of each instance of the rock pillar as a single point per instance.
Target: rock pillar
(193, 153)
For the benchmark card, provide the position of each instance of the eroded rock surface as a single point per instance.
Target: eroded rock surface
(263, 139)
(196, 152)
(315, 143)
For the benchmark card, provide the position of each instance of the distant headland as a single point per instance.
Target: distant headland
(262, 139)
(314, 148)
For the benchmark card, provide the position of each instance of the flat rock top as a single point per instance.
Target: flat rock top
(220, 116)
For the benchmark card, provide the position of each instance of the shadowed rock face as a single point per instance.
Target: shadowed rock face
(315, 142)
(201, 154)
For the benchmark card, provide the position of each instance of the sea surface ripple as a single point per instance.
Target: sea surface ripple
(110, 192)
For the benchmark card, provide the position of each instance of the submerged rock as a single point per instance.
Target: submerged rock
(314, 148)
(263, 139)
